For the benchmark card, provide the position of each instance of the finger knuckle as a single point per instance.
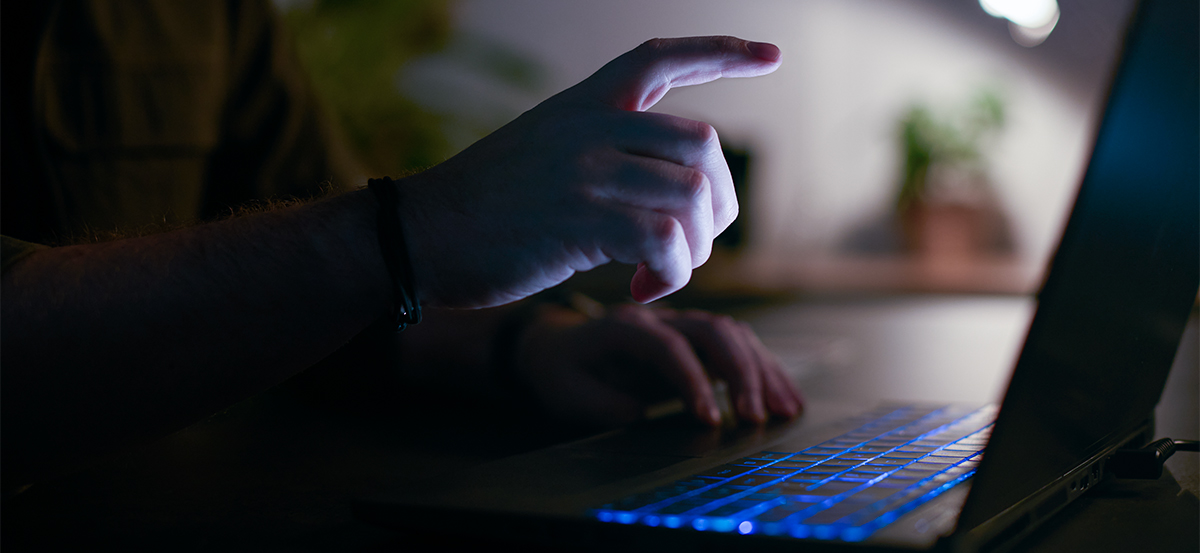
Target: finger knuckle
(723, 44)
(727, 42)
(705, 133)
(723, 325)
(651, 47)
(661, 232)
(694, 185)
(725, 322)
(587, 166)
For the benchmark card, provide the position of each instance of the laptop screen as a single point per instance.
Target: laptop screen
(1124, 278)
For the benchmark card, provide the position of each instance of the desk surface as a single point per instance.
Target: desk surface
(276, 473)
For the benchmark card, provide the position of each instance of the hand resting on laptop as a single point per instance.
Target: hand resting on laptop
(608, 370)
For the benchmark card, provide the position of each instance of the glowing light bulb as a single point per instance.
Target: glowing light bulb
(1030, 14)
(1030, 21)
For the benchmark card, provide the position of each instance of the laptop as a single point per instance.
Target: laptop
(1109, 319)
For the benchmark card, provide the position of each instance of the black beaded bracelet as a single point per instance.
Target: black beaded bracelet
(407, 309)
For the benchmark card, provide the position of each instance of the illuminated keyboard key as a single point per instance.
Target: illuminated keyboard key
(725, 471)
(963, 447)
(790, 465)
(830, 515)
(772, 471)
(951, 455)
(832, 488)
(824, 451)
(822, 469)
(680, 507)
(807, 479)
(875, 468)
(752, 462)
(770, 455)
(839, 462)
(732, 508)
(926, 465)
(783, 511)
(872, 449)
(755, 479)
(875, 493)
(720, 492)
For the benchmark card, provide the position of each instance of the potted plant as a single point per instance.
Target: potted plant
(945, 205)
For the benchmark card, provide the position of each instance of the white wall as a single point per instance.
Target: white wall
(823, 125)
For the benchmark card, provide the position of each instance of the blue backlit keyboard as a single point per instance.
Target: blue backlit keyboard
(842, 489)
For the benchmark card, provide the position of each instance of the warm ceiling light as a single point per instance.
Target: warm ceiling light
(1030, 14)
(1029, 21)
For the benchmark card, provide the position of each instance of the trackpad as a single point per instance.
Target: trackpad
(541, 479)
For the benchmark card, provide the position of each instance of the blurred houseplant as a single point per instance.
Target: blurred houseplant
(361, 55)
(946, 207)
(352, 50)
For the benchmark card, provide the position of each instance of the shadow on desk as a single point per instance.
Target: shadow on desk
(273, 473)
(277, 472)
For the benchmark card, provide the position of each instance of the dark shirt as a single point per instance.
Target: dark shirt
(123, 114)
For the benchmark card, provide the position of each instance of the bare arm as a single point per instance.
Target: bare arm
(110, 344)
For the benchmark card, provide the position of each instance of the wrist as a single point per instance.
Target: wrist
(341, 233)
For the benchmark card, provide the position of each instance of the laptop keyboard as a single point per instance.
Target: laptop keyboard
(843, 489)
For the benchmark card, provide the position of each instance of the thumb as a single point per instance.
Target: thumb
(640, 78)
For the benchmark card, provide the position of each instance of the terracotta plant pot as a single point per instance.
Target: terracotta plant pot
(951, 232)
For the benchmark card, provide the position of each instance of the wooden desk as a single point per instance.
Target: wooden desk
(885, 274)
(275, 473)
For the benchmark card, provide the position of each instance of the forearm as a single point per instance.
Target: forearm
(111, 344)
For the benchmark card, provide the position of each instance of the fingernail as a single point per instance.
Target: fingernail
(751, 407)
(745, 407)
(764, 51)
(714, 416)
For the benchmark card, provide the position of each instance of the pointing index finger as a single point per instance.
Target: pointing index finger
(640, 78)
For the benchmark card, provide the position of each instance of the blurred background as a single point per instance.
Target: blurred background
(903, 146)
(906, 173)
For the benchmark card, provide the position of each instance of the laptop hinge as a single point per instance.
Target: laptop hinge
(1003, 531)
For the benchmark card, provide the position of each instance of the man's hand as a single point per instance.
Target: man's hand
(607, 371)
(582, 179)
